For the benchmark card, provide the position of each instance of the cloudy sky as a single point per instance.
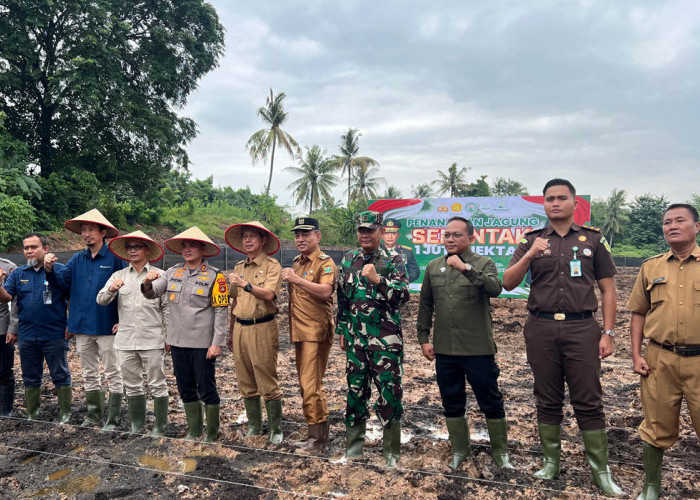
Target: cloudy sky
(603, 93)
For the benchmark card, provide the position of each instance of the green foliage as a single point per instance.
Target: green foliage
(643, 230)
(315, 178)
(14, 179)
(644, 251)
(348, 161)
(507, 187)
(391, 193)
(366, 184)
(615, 217)
(16, 221)
(452, 182)
(478, 188)
(421, 191)
(66, 195)
(598, 213)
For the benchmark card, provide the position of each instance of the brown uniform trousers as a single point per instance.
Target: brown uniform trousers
(255, 347)
(667, 293)
(311, 330)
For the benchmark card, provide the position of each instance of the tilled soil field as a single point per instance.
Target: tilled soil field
(45, 460)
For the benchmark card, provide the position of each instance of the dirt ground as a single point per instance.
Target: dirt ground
(44, 460)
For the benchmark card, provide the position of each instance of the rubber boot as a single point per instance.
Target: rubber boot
(498, 435)
(33, 399)
(318, 437)
(65, 398)
(550, 437)
(596, 443)
(458, 429)
(114, 410)
(136, 408)
(274, 419)
(212, 412)
(194, 415)
(253, 411)
(652, 468)
(7, 400)
(391, 443)
(355, 439)
(95, 402)
(160, 408)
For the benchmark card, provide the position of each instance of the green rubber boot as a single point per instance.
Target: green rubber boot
(550, 437)
(253, 411)
(596, 443)
(652, 468)
(391, 443)
(498, 435)
(32, 396)
(160, 408)
(458, 429)
(95, 402)
(136, 407)
(195, 417)
(65, 398)
(274, 418)
(114, 410)
(212, 412)
(355, 439)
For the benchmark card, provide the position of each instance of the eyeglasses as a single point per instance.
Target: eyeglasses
(129, 248)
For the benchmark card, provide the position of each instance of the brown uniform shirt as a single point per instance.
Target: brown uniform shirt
(265, 272)
(310, 319)
(553, 289)
(667, 292)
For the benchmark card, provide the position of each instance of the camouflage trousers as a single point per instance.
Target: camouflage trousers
(385, 368)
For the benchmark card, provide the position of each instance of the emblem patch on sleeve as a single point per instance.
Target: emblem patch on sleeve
(219, 293)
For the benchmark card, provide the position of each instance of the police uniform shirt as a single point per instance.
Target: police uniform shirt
(667, 292)
(265, 272)
(312, 320)
(553, 289)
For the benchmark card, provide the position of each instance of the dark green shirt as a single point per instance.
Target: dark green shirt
(461, 305)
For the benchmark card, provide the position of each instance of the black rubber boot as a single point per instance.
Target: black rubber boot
(7, 400)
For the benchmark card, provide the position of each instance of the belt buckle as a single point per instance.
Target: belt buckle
(559, 316)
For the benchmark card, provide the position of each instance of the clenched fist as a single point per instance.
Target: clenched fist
(151, 276)
(456, 263)
(116, 285)
(237, 280)
(370, 272)
(49, 260)
(289, 275)
(539, 245)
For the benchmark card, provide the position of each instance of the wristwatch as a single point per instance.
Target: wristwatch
(609, 332)
(248, 288)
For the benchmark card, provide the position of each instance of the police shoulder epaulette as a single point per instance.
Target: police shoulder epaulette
(591, 228)
(323, 256)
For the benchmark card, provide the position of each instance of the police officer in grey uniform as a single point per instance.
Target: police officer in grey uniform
(8, 324)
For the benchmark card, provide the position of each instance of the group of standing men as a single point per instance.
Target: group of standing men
(184, 311)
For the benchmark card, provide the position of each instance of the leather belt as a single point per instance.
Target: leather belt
(680, 350)
(255, 321)
(562, 316)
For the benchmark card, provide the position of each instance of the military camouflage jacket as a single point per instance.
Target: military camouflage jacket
(368, 314)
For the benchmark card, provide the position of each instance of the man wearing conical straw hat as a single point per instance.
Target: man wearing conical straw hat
(254, 339)
(93, 325)
(140, 341)
(197, 295)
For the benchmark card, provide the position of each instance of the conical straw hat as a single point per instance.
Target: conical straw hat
(94, 216)
(118, 246)
(195, 234)
(234, 237)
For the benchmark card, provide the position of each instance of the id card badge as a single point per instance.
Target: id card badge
(47, 294)
(575, 266)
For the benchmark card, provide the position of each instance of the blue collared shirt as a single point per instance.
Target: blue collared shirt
(37, 321)
(84, 277)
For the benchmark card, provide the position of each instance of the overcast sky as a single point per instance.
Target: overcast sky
(603, 93)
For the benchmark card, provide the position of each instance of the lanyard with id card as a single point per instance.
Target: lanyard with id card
(575, 265)
(47, 294)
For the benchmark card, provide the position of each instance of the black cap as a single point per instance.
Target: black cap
(305, 224)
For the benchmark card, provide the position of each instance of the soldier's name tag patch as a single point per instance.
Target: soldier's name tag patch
(662, 279)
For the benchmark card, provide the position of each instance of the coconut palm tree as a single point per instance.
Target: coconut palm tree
(391, 193)
(452, 182)
(366, 184)
(263, 142)
(614, 214)
(421, 191)
(348, 160)
(507, 187)
(315, 178)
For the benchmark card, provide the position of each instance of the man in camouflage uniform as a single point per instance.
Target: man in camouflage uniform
(372, 286)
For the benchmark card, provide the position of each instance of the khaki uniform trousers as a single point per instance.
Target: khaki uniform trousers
(671, 379)
(311, 360)
(134, 362)
(255, 349)
(95, 348)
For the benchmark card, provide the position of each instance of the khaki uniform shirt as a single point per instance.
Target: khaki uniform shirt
(198, 302)
(461, 304)
(264, 272)
(8, 322)
(312, 320)
(142, 322)
(553, 289)
(667, 292)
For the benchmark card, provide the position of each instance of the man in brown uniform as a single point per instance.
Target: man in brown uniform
(254, 337)
(665, 309)
(311, 283)
(563, 339)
